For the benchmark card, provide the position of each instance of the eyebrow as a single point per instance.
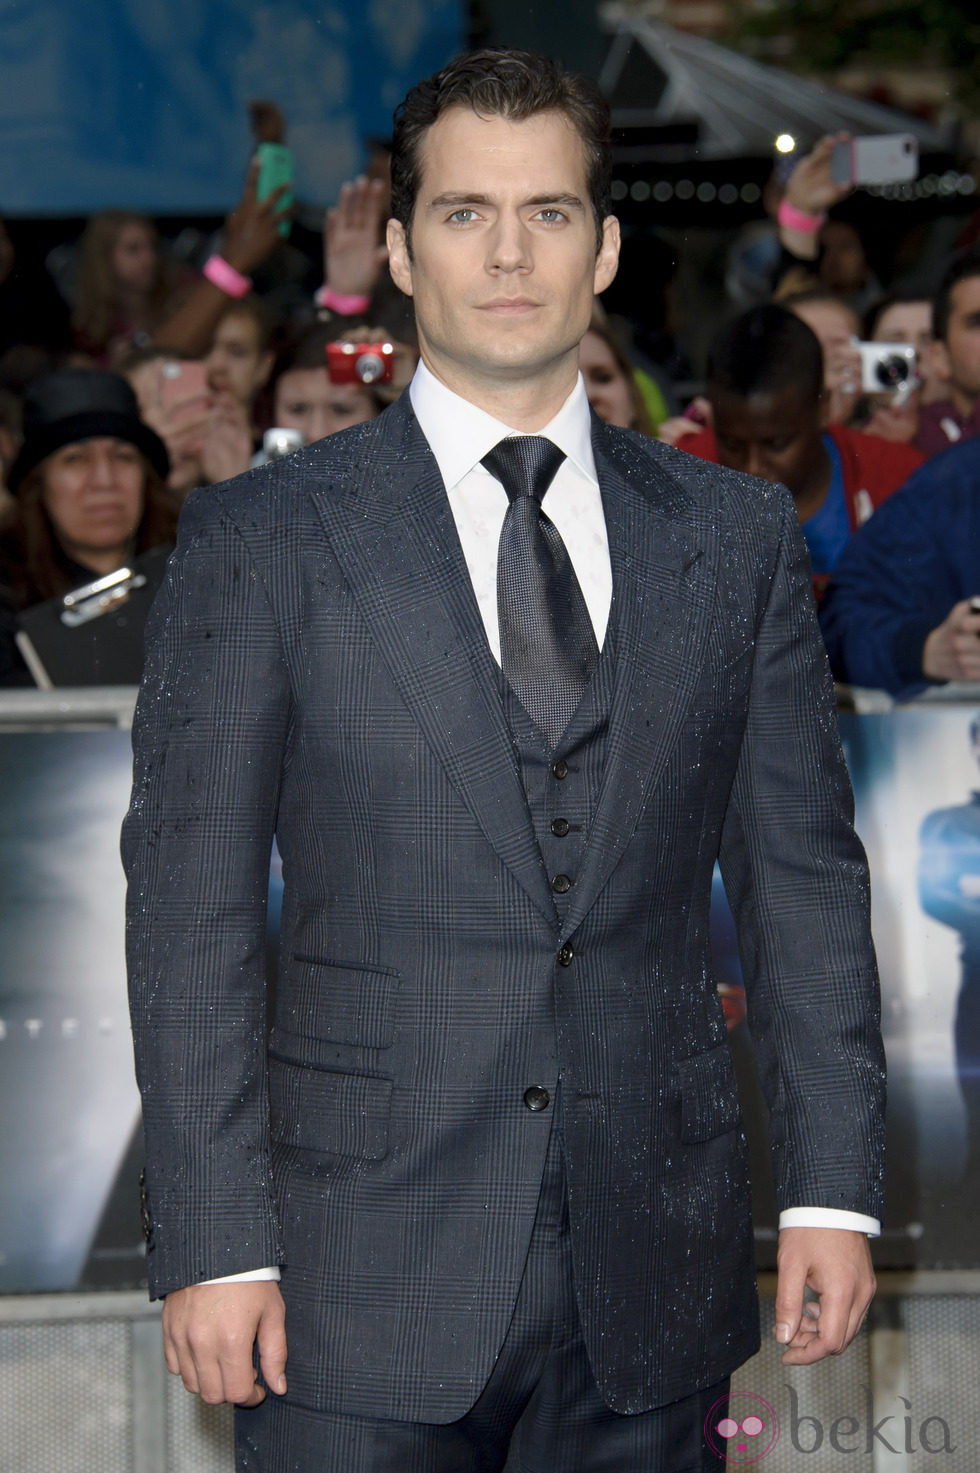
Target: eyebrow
(454, 197)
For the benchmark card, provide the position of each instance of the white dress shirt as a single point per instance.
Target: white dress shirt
(459, 435)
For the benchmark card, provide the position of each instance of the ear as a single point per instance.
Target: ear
(607, 261)
(399, 259)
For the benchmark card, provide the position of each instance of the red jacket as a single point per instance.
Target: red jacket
(871, 468)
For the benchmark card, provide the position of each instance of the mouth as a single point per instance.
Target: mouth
(102, 510)
(510, 306)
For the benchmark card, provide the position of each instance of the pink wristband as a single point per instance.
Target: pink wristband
(226, 278)
(794, 219)
(347, 304)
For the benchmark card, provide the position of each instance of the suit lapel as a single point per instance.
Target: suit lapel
(394, 535)
(664, 560)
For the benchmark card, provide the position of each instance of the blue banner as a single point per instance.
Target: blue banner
(137, 104)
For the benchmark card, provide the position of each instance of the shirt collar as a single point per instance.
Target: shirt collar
(460, 434)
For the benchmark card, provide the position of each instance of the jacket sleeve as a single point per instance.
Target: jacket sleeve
(209, 736)
(896, 581)
(797, 880)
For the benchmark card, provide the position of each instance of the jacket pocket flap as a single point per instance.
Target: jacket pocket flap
(340, 1002)
(708, 1095)
(335, 1114)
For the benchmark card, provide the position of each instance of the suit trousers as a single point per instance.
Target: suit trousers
(540, 1411)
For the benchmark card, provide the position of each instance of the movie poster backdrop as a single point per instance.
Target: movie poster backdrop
(70, 1147)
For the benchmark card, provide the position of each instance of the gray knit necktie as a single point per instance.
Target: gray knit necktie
(548, 647)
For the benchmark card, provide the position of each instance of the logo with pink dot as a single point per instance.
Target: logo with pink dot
(741, 1427)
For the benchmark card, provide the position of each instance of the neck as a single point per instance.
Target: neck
(811, 497)
(99, 559)
(525, 404)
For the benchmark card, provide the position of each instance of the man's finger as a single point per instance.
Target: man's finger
(790, 1289)
(271, 1341)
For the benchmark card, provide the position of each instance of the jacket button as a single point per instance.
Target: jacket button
(560, 769)
(537, 1098)
(565, 955)
(561, 884)
(560, 827)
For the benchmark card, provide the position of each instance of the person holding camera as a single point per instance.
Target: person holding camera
(903, 317)
(330, 377)
(765, 386)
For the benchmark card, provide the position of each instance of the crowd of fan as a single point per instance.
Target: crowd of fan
(126, 382)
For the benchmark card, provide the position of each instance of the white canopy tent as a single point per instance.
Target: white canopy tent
(657, 77)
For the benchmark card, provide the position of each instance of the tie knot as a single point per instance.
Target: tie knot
(525, 465)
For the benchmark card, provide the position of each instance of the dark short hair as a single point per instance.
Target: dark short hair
(499, 82)
(961, 268)
(307, 347)
(764, 349)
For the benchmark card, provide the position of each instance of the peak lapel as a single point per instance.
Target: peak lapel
(664, 561)
(393, 533)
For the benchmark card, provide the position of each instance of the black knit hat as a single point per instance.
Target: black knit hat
(81, 404)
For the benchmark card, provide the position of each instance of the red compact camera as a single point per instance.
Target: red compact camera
(360, 363)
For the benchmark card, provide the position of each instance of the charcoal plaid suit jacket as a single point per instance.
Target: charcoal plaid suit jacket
(317, 669)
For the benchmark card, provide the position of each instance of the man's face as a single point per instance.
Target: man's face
(503, 264)
(959, 356)
(776, 436)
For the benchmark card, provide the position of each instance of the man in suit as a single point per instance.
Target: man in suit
(492, 1138)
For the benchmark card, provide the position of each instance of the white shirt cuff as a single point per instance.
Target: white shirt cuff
(831, 1217)
(250, 1276)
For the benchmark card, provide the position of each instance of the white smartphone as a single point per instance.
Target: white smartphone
(884, 158)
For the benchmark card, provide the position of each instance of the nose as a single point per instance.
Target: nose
(510, 245)
(755, 461)
(101, 468)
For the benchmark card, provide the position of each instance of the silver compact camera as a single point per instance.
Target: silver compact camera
(886, 367)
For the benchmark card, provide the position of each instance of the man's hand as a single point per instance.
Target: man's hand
(835, 1264)
(952, 650)
(209, 1331)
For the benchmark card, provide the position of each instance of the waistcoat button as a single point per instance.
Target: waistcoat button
(560, 827)
(561, 884)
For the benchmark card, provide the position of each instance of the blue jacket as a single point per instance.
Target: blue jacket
(902, 572)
